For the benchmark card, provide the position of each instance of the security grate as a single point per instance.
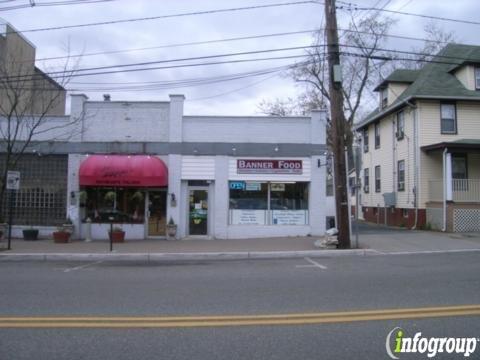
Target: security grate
(466, 220)
(42, 197)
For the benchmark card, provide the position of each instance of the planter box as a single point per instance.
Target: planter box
(171, 232)
(61, 237)
(117, 236)
(30, 234)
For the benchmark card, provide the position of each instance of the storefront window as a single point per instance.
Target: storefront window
(264, 203)
(121, 204)
(289, 196)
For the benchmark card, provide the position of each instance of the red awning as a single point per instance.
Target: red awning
(123, 170)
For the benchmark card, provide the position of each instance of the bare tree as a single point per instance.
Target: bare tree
(360, 46)
(29, 102)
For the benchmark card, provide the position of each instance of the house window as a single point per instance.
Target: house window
(477, 78)
(377, 179)
(365, 139)
(400, 125)
(459, 166)
(377, 135)
(448, 114)
(366, 180)
(401, 175)
(384, 98)
(405, 213)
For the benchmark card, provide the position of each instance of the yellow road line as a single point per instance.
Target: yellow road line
(235, 320)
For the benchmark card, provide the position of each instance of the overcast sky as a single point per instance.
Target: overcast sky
(238, 97)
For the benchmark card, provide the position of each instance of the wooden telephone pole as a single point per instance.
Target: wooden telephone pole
(337, 125)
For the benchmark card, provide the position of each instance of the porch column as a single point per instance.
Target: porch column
(448, 177)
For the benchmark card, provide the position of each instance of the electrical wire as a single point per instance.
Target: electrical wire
(185, 14)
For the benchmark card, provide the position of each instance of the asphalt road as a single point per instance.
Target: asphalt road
(250, 288)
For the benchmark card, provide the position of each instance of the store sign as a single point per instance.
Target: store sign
(237, 185)
(249, 166)
(253, 186)
(289, 217)
(277, 187)
(247, 217)
(13, 180)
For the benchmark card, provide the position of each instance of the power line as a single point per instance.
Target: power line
(227, 40)
(78, 71)
(204, 12)
(52, 3)
(178, 45)
(353, 7)
(95, 70)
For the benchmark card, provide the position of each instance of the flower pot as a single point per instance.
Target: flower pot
(171, 231)
(30, 234)
(3, 229)
(61, 237)
(117, 236)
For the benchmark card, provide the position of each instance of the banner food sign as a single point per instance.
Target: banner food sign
(248, 166)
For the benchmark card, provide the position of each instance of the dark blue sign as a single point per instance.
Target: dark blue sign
(237, 185)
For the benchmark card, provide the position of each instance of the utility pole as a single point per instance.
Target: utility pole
(337, 125)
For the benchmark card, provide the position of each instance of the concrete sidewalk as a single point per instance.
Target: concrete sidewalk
(158, 250)
(373, 240)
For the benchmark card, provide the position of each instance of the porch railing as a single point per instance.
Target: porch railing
(463, 190)
(466, 190)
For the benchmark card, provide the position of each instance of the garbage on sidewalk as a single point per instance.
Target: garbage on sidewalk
(330, 240)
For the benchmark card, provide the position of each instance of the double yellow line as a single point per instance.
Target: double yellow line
(237, 320)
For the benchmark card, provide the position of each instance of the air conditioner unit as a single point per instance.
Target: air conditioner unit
(366, 188)
(399, 135)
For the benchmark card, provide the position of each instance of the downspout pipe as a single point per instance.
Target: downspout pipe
(444, 225)
(415, 162)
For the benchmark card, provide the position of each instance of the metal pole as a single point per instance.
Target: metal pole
(10, 217)
(111, 234)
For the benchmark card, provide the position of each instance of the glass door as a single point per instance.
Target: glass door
(157, 212)
(198, 212)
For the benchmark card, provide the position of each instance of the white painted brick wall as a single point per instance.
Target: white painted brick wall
(294, 130)
(126, 121)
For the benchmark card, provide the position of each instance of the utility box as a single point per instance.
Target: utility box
(390, 199)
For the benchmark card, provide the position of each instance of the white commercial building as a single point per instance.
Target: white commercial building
(140, 164)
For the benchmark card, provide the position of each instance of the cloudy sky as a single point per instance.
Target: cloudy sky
(209, 89)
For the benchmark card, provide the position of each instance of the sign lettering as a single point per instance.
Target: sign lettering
(248, 166)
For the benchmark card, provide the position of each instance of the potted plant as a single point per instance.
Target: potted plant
(68, 225)
(61, 236)
(30, 233)
(171, 229)
(3, 227)
(117, 234)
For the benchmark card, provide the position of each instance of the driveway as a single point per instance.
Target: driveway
(392, 240)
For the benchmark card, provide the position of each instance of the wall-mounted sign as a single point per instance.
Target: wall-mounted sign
(277, 187)
(237, 185)
(253, 186)
(289, 217)
(13, 180)
(247, 217)
(250, 166)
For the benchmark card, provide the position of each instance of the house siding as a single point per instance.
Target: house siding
(466, 75)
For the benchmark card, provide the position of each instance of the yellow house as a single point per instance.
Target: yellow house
(421, 146)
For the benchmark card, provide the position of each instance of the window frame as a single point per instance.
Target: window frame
(365, 140)
(378, 181)
(401, 179)
(377, 135)
(366, 180)
(476, 76)
(446, 132)
(400, 130)
(384, 98)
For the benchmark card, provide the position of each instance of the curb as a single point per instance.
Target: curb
(159, 257)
